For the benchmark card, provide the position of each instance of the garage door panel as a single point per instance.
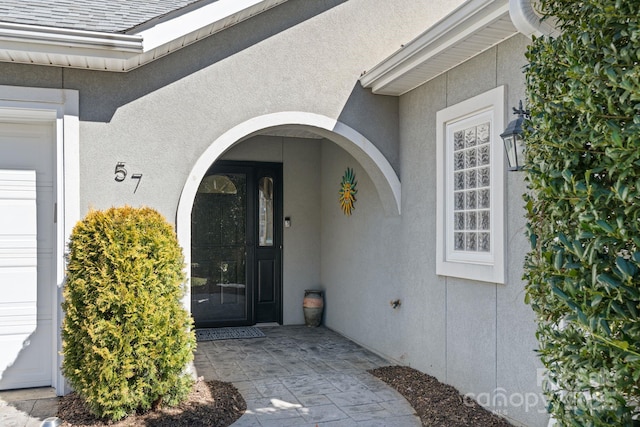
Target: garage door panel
(14, 290)
(22, 361)
(18, 239)
(30, 146)
(19, 218)
(27, 285)
(18, 284)
(22, 314)
(13, 255)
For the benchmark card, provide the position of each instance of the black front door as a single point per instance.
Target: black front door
(236, 245)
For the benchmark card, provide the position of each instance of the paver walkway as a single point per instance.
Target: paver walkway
(299, 376)
(295, 376)
(27, 408)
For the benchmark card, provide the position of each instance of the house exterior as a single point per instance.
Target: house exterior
(238, 120)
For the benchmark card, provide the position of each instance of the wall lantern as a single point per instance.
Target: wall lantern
(513, 140)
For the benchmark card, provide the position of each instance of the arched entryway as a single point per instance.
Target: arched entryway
(369, 158)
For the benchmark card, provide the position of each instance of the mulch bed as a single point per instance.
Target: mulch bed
(437, 404)
(219, 404)
(210, 404)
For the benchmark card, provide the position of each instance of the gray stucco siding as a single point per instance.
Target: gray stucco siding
(307, 57)
(159, 119)
(31, 76)
(299, 56)
(476, 336)
(489, 339)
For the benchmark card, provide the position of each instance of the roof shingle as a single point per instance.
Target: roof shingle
(111, 16)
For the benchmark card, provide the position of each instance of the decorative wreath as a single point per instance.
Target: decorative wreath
(348, 191)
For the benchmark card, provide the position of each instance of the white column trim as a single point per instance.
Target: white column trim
(61, 108)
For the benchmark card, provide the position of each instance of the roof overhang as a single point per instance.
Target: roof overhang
(472, 28)
(469, 30)
(58, 47)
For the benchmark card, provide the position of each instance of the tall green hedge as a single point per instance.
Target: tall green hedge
(583, 172)
(126, 339)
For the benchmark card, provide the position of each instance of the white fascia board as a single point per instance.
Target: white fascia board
(167, 31)
(66, 46)
(468, 18)
(32, 37)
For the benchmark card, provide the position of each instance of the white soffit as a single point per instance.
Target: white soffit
(38, 45)
(469, 30)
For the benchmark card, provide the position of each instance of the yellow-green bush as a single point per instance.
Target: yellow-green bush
(127, 339)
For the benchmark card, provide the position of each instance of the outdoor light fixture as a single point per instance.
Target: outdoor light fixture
(513, 140)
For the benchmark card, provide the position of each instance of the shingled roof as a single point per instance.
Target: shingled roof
(112, 35)
(111, 16)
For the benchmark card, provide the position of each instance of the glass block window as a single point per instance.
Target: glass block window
(472, 188)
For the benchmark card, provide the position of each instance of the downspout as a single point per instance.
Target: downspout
(527, 21)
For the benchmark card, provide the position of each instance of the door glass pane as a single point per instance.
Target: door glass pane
(218, 267)
(265, 206)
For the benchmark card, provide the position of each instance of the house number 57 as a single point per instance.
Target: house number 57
(121, 175)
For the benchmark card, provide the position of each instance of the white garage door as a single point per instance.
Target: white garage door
(27, 284)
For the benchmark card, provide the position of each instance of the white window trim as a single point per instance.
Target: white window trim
(473, 266)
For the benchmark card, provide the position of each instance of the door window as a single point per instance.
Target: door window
(265, 206)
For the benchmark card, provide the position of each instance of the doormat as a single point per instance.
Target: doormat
(243, 332)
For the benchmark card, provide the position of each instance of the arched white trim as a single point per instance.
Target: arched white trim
(370, 158)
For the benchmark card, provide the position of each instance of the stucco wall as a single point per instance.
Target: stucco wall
(359, 264)
(299, 56)
(303, 56)
(307, 56)
(478, 337)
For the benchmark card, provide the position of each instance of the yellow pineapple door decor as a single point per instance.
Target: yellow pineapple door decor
(348, 191)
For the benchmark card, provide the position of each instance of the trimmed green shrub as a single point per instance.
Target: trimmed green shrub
(583, 172)
(127, 339)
